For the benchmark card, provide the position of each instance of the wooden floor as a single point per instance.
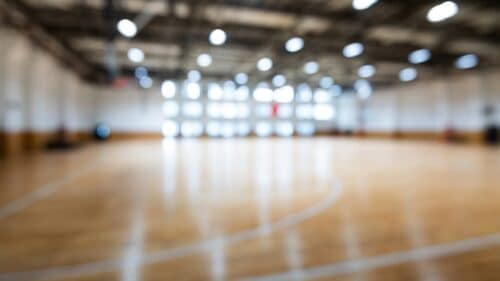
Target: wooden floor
(253, 209)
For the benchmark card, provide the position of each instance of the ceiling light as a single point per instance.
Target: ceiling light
(284, 94)
(242, 93)
(127, 28)
(326, 82)
(217, 37)
(279, 80)
(408, 74)
(193, 90)
(241, 78)
(294, 44)
(204, 60)
(262, 93)
(442, 11)
(284, 129)
(366, 71)
(363, 4)
(168, 89)
(336, 90)
(263, 129)
(194, 76)
(353, 50)
(311, 67)
(322, 96)
(140, 72)
(170, 128)
(467, 61)
(215, 91)
(264, 64)
(146, 82)
(229, 88)
(135, 55)
(323, 112)
(363, 88)
(419, 56)
(304, 93)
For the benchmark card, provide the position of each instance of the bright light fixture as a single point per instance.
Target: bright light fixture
(229, 88)
(264, 64)
(294, 44)
(322, 96)
(263, 93)
(168, 89)
(304, 111)
(311, 67)
(228, 130)
(419, 56)
(467, 61)
(304, 93)
(127, 28)
(284, 129)
(146, 82)
(213, 129)
(353, 50)
(324, 112)
(366, 71)
(263, 129)
(243, 129)
(170, 129)
(191, 129)
(193, 90)
(336, 90)
(285, 111)
(229, 110)
(305, 129)
(279, 80)
(241, 78)
(442, 11)
(326, 82)
(194, 76)
(204, 60)
(363, 4)
(192, 109)
(170, 109)
(363, 88)
(408, 74)
(140, 72)
(284, 94)
(135, 55)
(217, 37)
(242, 93)
(215, 91)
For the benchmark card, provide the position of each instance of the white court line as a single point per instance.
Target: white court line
(370, 263)
(182, 251)
(40, 193)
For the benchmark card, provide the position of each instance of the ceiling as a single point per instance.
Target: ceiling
(83, 35)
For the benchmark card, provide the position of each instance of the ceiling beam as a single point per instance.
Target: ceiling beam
(19, 16)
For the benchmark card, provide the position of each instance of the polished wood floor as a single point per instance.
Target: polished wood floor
(252, 209)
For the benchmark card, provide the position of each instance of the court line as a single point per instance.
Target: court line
(396, 258)
(40, 193)
(181, 251)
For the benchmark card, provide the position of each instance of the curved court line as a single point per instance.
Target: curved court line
(40, 193)
(181, 251)
(375, 262)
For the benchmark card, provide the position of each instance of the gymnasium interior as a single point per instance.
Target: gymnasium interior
(249, 140)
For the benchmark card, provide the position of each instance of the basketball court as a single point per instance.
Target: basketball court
(299, 209)
(249, 140)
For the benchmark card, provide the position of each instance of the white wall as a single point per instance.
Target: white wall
(130, 109)
(36, 93)
(428, 106)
